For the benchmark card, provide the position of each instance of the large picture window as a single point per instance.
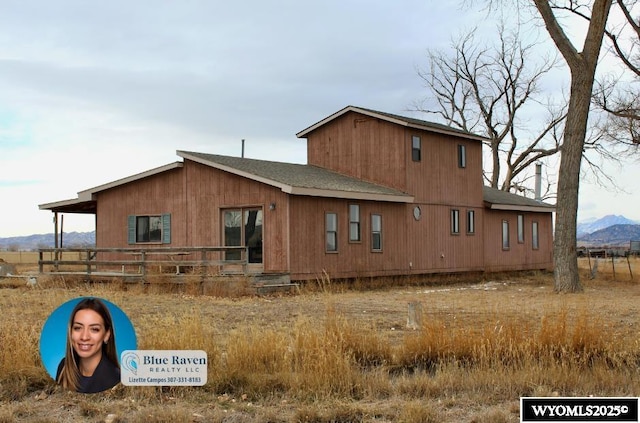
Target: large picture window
(331, 229)
(149, 229)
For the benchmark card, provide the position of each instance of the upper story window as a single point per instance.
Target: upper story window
(455, 221)
(354, 223)
(416, 148)
(149, 229)
(376, 232)
(462, 156)
(331, 230)
(520, 229)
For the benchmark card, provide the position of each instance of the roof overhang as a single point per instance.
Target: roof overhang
(524, 208)
(71, 206)
(313, 192)
(85, 203)
(391, 119)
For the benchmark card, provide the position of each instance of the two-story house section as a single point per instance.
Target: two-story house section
(381, 195)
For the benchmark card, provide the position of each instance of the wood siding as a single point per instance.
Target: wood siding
(194, 196)
(379, 151)
(519, 256)
(212, 190)
(409, 246)
(294, 233)
(362, 147)
(157, 194)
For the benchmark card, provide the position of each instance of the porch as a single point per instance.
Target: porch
(204, 265)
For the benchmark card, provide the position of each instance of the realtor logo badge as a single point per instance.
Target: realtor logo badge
(163, 367)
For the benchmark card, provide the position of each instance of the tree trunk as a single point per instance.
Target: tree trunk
(566, 259)
(583, 66)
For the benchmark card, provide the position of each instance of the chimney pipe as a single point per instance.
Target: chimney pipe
(538, 189)
(242, 153)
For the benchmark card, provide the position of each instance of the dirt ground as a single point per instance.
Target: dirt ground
(501, 298)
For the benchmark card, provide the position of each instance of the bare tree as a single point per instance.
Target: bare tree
(582, 66)
(620, 97)
(487, 90)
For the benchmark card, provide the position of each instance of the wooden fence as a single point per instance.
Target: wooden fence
(138, 262)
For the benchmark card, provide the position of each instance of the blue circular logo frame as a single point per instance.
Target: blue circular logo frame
(53, 338)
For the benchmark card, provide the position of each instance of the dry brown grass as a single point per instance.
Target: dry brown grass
(341, 352)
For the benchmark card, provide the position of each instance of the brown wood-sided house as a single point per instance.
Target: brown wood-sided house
(381, 195)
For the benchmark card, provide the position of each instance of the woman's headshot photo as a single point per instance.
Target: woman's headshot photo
(80, 347)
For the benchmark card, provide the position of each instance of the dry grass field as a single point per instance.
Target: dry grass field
(343, 353)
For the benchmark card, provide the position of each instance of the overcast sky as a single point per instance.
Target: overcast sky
(91, 92)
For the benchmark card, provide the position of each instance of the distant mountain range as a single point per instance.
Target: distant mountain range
(34, 242)
(592, 225)
(610, 230)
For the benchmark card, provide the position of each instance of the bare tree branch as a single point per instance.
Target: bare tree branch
(488, 90)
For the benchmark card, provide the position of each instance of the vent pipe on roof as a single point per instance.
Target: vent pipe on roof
(242, 153)
(538, 189)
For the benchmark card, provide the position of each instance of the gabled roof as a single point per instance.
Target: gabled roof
(299, 179)
(397, 119)
(496, 199)
(85, 203)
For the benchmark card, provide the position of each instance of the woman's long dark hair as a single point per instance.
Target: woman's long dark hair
(70, 375)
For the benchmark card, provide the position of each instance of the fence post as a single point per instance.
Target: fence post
(414, 315)
(143, 257)
(613, 266)
(203, 267)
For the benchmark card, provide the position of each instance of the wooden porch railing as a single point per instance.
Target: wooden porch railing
(132, 262)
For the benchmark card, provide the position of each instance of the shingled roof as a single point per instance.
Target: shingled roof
(496, 199)
(299, 179)
(397, 119)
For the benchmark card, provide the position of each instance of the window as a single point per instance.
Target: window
(455, 221)
(354, 223)
(534, 236)
(520, 229)
(331, 228)
(376, 232)
(243, 228)
(471, 222)
(505, 234)
(416, 147)
(462, 156)
(149, 229)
